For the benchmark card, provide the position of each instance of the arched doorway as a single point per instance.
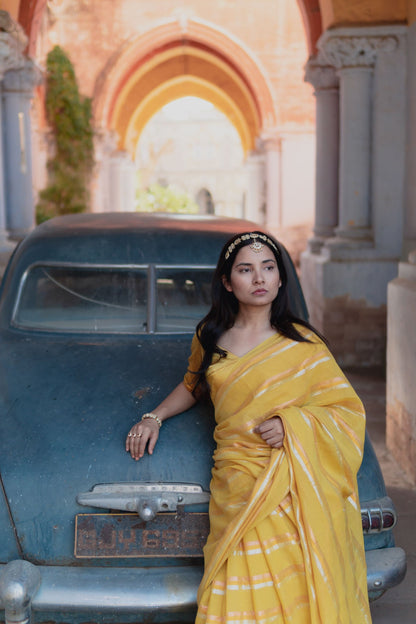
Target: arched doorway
(190, 146)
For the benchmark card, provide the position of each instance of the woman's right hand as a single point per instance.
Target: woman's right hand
(272, 431)
(142, 434)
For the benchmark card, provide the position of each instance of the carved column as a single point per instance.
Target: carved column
(18, 85)
(326, 84)
(355, 57)
(272, 147)
(12, 44)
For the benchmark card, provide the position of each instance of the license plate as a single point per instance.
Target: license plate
(126, 535)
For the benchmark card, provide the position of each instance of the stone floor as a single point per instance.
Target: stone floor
(398, 604)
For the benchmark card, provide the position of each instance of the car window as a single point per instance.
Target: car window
(183, 298)
(113, 299)
(83, 299)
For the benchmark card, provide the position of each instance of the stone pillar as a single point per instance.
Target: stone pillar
(105, 146)
(410, 213)
(345, 278)
(272, 147)
(122, 185)
(254, 204)
(3, 231)
(18, 85)
(401, 350)
(12, 44)
(355, 57)
(326, 84)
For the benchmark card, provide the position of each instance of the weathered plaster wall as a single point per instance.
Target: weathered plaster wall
(92, 32)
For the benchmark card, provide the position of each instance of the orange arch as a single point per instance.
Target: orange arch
(180, 87)
(191, 58)
(312, 22)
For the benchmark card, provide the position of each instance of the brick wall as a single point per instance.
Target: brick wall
(356, 332)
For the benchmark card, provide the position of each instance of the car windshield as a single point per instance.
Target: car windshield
(139, 299)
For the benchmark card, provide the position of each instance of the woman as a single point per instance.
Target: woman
(285, 541)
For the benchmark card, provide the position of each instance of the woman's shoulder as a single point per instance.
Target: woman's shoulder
(309, 334)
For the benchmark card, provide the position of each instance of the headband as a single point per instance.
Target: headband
(256, 245)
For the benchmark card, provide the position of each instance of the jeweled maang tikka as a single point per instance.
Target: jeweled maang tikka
(256, 245)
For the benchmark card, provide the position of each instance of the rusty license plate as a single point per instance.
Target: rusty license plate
(126, 535)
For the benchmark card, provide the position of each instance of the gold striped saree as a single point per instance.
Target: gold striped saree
(285, 541)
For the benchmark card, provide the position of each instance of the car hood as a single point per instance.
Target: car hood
(66, 406)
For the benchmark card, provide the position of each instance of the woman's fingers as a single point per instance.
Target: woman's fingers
(272, 431)
(140, 435)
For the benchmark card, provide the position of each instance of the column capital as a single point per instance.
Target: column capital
(13, 41)
(350, 47)
(24, 78)
(320, 74)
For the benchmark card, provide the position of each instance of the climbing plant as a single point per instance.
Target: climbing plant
(69, 118)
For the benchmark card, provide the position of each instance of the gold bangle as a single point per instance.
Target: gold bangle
(156, 418)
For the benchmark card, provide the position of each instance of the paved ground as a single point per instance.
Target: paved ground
(397, 606)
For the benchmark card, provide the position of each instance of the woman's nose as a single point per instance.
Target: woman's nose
(258, 277)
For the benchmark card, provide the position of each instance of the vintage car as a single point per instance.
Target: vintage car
(96, 318)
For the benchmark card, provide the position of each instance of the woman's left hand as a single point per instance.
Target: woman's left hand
(272, 431)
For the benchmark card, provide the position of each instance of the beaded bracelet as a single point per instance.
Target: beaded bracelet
(154, 417)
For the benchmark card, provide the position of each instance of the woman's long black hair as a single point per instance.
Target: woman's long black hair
(287, 308)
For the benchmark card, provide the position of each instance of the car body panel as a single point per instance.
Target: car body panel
(104, 385)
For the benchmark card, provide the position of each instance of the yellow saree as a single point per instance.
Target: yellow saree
(285, 541)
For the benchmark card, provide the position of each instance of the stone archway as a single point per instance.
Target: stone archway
(178, 59)
(187, 58)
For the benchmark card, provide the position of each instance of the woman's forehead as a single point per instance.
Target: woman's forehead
(249, 255)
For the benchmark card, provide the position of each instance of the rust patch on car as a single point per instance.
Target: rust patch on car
(141, 393)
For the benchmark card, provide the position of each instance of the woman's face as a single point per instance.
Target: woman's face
(255, 277)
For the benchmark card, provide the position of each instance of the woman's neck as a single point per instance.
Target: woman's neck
(257, 319)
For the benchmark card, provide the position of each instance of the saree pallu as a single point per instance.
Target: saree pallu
(285, 542)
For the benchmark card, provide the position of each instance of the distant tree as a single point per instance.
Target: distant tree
(69, 117)
(158, 198)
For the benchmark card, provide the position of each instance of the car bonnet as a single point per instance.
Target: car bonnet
(67, 406)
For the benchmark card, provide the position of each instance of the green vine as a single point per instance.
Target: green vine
(69, 117)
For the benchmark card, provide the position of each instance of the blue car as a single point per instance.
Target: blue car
(97, 313)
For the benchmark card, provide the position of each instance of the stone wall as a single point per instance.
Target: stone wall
(401, 361)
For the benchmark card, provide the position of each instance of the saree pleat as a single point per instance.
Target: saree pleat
(285, 542)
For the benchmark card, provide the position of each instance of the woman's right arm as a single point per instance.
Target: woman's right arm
(146, 432)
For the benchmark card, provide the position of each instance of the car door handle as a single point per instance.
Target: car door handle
(146, 499)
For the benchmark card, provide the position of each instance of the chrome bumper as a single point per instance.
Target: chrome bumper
(386, 568)
(25, 587)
